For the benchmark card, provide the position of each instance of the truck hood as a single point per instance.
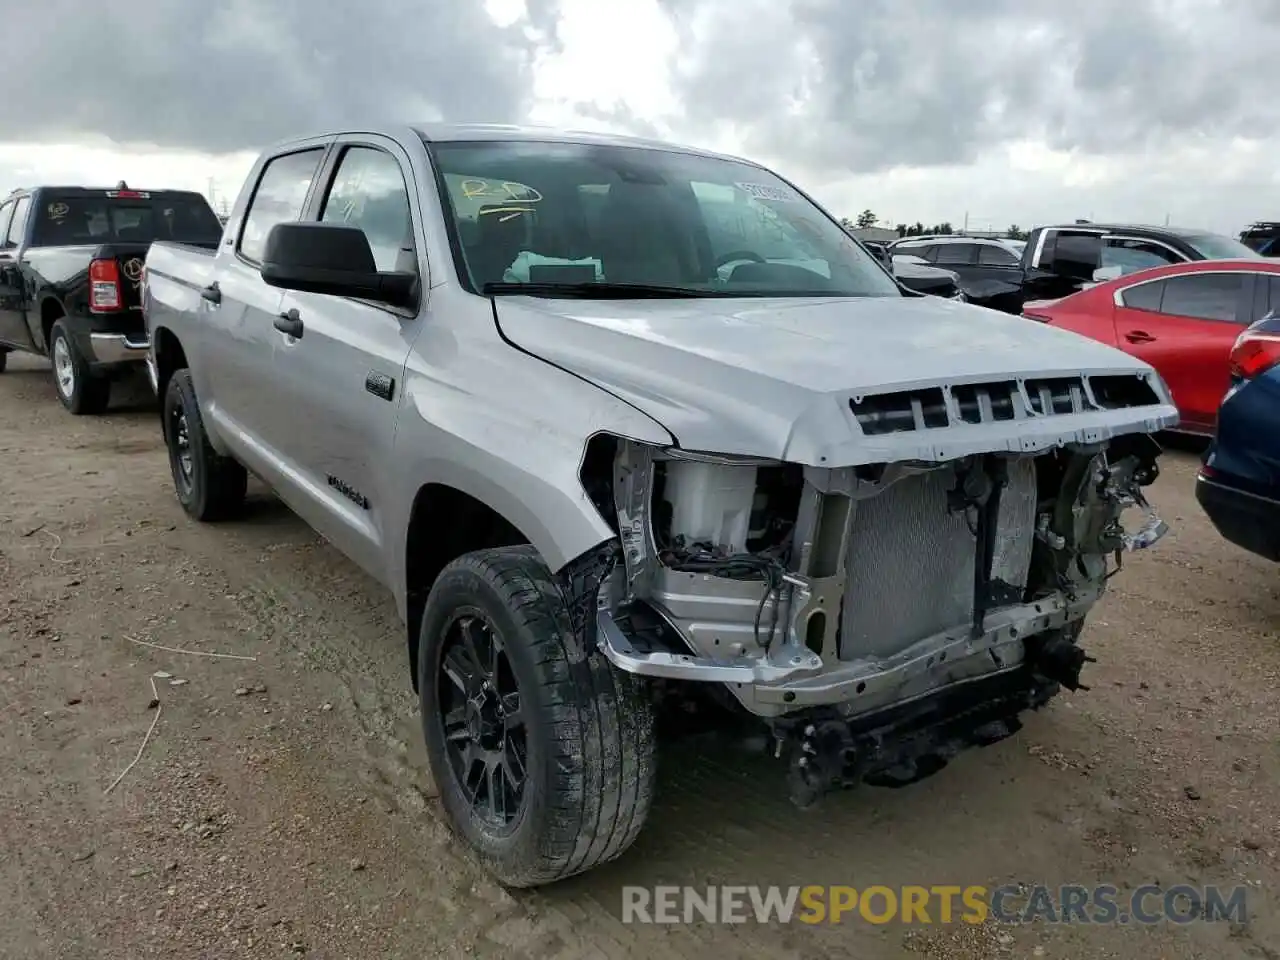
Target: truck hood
(775, 378)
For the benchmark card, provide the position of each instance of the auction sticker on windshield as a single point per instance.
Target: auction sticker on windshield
(763, 191)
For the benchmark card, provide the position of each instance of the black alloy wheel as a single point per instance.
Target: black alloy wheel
(479, 708)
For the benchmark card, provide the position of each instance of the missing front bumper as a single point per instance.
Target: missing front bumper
(790, 678)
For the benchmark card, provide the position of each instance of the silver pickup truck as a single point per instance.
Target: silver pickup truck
(622, 424)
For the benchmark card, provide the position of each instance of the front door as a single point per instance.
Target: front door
(1185, 326)
(344, 375)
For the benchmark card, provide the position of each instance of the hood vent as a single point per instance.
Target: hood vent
(907, 411)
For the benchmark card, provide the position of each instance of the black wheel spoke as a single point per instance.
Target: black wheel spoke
(469, 638)
(512, 718)
(459, 670)
(480, 714)
(497, 802)
(455, 725)
(513, 767)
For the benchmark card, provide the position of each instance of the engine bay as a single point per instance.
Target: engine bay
(856, 587)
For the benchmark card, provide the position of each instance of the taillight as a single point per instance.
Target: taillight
(1255, 352)
(105, 295)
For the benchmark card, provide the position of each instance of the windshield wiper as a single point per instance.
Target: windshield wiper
(594, 290)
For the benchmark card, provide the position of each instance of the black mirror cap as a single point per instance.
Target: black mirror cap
(334, 259)
(319, 246)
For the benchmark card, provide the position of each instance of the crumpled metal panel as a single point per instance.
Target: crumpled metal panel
(1015, 528)
(911, 561)
(909, 570)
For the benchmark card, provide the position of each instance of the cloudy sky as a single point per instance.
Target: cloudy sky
(1009, 111)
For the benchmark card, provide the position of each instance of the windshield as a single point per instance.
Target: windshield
(1211, 246)
(82, 218)
(574, 214)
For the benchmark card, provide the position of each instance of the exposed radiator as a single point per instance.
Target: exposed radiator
(911, 562)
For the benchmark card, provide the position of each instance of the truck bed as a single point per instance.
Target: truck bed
(176, 273)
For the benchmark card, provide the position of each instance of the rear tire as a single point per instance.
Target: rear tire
(4, 359)
(80, 391)
(581, 732)
(210, 487)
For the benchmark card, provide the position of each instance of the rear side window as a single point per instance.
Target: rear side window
(369, 192)
(1209, 296)
(990, 255)
(74, 219)
(18, 226)
(1145, 296)
(278, 198)
(6, 211)
(955, 253)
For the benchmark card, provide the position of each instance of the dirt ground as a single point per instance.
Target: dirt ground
(283, 807)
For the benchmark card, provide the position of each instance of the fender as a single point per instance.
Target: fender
(522, 463)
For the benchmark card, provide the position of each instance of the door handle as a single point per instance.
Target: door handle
(212, 293)
(1139, 336)
(289, 322)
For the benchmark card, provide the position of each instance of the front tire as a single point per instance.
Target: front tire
(210, 486)
(4, 359)
(543, 753)
(80, 391)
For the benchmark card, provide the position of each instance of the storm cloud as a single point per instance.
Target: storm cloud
(830, 86)
(225, 75)
(882, 83)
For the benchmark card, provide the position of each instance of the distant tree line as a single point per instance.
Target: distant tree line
(867, 218)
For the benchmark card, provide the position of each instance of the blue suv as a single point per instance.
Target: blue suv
(1239, 484)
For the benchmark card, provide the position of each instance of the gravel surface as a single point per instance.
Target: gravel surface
(282, 805)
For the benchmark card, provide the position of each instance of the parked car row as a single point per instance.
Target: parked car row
(1211, 329)
(1059, 260)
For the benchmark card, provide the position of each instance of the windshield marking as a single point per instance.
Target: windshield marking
(764, 191)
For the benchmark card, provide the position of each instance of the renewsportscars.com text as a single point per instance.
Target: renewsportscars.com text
(1070, 903)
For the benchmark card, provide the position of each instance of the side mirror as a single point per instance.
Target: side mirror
(332, 258)
(1103, 274)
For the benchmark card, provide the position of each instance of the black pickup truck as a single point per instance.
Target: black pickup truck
(71, 259)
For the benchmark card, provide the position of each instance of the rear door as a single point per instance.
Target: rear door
(240, 370)
(13, 329)
(344, 375)
(1185, 326)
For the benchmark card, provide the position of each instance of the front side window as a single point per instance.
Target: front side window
(369, 192)
(570, 214)
(1132, 255)
(1208, 296)
(279, 198)
(996, 255)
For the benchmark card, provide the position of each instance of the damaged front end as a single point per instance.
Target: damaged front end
(879, 617)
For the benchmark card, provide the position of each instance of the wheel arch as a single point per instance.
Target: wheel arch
(460, 510)
(170, 356)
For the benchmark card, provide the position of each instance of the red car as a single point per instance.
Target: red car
(1182, 319)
